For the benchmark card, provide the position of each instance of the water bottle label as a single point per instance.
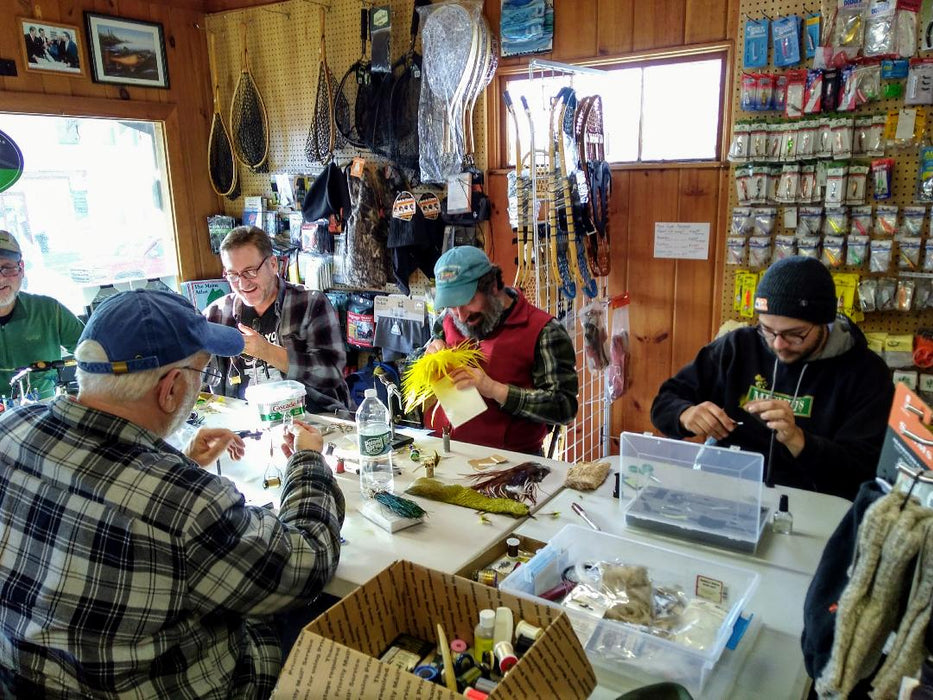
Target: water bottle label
(375, 445)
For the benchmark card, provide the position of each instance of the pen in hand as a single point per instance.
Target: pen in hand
(578, 509)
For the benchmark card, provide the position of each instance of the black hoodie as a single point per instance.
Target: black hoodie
(843, 397)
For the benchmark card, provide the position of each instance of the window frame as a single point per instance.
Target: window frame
(498, 140)
(183, 207)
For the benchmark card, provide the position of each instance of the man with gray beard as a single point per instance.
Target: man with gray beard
(128, 570)
(528, 376)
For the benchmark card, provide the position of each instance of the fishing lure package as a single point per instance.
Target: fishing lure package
(759, 252)
(867, 295)
(809, 221)
(833, 249)
(857, 251)
(764, 219)
(738, 151)
(925, 175)
(928, 259)
(736, 250)
(617, 374)
(742, 223)
(904, 299)
(789, 184)
(881, 171)
(886, 220)
(860, 220)
(886, 294)
(785, 34)
(836, 222)
(595, 325)
(850, 26)
(809, 246)
(756, 43)
(908, 253)
(784, 247)
(880, 255)
(912, 222)
(880, 37)
(808, 192)
(836, 176)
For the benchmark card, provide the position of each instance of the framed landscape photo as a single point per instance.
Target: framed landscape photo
(126, 51)
(51, 47)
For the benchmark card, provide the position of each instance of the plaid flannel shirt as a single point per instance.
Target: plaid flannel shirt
(552, 398)
(127, 571)
(308, 328)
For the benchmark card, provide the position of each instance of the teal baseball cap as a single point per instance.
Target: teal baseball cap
(456, 273)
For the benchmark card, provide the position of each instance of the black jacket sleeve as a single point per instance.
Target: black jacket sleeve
(690, 386)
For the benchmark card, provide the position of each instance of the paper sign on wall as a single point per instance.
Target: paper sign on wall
(677, 239)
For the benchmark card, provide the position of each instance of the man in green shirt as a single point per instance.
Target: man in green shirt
(33, 328)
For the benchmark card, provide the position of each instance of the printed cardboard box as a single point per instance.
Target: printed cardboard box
(496, 552)
(336, 656)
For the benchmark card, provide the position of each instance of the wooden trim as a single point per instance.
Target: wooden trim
(163, 112)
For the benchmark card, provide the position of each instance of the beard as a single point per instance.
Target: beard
(184, 409)
(480, 324)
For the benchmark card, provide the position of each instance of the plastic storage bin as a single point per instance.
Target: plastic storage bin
(275, 400)
(631, 649)
(697, 492)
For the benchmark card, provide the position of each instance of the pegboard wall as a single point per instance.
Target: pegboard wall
(283, 41)
(904, 177)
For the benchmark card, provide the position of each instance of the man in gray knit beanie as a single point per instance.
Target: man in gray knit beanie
(801, 387)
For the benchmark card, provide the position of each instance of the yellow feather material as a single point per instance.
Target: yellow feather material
(468, 498)
(419, 379)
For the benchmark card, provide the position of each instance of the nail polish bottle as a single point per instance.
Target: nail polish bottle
(782, 522)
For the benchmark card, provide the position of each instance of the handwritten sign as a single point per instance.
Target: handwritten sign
(689, 241)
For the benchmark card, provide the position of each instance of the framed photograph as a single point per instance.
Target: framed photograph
(51, 47)
(126, 51)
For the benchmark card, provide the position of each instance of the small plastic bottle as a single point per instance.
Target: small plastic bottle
(482, 635)
(375, 441)
(782, 522)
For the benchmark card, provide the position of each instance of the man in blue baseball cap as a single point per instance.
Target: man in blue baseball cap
(529, 376)
(127, 569)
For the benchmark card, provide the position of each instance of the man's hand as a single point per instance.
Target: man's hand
(256, 344)
(707, 419)
(302, 437)
(465, 377)
(434, 346)
(209, 443)
(779, 416)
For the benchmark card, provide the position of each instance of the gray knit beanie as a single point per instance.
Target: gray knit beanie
(797, 287)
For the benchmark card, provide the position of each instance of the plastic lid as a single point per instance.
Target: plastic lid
(487, 617)
(370, 393)
(783, 505)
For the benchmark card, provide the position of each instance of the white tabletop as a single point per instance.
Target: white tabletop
(450, 536)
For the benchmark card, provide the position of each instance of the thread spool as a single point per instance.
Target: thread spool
(484, 685)
(511, 547)
(271, 482)
(526, 629)
(428, 673)
(488, 577)
(341, 467)
(468, 677)
(475, 694)
(505, 655)
(458, 646)
(463, 662)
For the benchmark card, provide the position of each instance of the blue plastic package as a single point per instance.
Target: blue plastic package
(756, 43)
(811, 35)
(894, 68)
(785, 35)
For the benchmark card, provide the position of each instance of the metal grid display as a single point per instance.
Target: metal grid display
(587, 438)
(903, 180)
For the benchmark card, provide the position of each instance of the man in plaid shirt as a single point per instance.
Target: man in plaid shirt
(127, 570)
(528, 378)
(290, 332)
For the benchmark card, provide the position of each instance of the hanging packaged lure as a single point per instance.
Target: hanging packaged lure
(879, 28)
(796, 93)
(881, 174)
(833, 251)
(856, 251)
(736, 250)
(759, 252)
(836, 175)
(811, 34)
(809, 247)
(860, 220)
(742, 222)
(885, 220)
(756, 43)
(857, 184)
(880, 255)
(595, 335)
(738, 151)
(836, 222)
(912, 222)
(785, 33)
(925, 175)
(908, 253)
(809, 221)
(784, 247)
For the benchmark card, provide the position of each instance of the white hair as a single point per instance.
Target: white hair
(121, 387)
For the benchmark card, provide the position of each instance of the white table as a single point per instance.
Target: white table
(450, 536)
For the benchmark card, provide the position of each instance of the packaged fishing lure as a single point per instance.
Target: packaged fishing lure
(785, 34)
(784, 247)
(759, 252)
(735, 250)
(756, 43)
(856, 251)
(860, 220)
(908, 253)
(833, 251)
(880, 255)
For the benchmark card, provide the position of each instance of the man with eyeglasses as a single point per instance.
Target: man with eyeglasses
(290, 332)
(33, 328)
(802, 388)
(127, 569)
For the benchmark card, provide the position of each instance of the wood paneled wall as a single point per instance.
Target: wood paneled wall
(675, 304)
(185, 108)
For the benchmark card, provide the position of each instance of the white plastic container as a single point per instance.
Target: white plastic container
(629, 649)
(692, 491)
(275, 400)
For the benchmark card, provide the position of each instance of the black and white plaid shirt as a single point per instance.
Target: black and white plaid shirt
(127, 571)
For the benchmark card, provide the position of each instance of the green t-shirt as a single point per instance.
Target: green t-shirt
(37, 331)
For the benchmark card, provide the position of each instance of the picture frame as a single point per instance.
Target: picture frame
(126, 51)
(51, 47)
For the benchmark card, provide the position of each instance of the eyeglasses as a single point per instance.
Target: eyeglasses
(794, 337)
(10, 270)
(250, 273)
(209, 375)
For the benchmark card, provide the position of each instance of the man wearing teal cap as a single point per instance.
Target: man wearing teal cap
(33, 328)
(528, 377)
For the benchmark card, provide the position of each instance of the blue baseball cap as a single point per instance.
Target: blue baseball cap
(145, 329)
(456, 273)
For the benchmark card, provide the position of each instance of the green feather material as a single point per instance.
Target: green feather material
(403, 507)
(466, 497)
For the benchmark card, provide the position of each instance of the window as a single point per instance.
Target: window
(90, 207)
(661, 111)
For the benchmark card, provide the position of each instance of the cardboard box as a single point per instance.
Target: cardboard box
(336, 656)
(496, 552)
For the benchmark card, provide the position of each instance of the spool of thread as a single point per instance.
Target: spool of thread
(458, 646)
(484, 685)
(468, 677)
(487, 577)
(341, 468)
(474, 694)
(271, 483)
(429, 673)
(511, 547)
(526, 629)
(463, 662)
(505, 655)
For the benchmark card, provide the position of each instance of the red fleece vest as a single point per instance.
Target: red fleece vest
(510, 355)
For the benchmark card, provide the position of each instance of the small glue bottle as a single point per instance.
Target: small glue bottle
(782, 522)
(482, 635)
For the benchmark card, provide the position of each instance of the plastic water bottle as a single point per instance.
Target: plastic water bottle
(375, 441)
